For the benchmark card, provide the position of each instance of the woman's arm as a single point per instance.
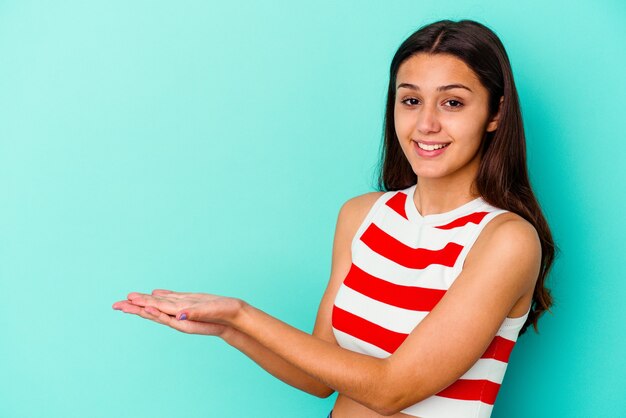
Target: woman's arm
(350, 217)
(500, 269)
(265, 358)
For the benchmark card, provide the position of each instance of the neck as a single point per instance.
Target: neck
(440, 195)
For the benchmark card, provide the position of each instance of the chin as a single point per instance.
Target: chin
(429, 173)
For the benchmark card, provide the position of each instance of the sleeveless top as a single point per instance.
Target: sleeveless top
(402, 265)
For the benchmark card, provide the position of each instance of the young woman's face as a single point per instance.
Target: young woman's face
(441, 115)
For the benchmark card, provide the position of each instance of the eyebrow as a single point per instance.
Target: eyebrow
(440, 88)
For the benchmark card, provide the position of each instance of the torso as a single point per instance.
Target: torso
(347, 408)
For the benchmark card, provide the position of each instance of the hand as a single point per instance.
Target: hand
(195, 313)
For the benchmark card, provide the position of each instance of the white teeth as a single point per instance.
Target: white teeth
(427, 147)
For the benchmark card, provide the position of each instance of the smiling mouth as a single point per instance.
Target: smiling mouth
(431, 147)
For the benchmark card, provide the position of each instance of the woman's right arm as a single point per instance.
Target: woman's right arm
(264, 357)
(274, 364)
(350, 218)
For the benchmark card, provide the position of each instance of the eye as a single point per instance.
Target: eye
(410, 101)
(453, 103)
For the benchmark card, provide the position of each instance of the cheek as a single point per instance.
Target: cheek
(403, 124)
(466, 131)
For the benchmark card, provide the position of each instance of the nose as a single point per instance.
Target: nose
(427, 120)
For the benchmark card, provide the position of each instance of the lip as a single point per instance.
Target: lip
(428, 154)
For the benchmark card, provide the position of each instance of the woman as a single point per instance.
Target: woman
(431, 281)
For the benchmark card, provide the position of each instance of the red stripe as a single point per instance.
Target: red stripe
(472, 390)
(367, 331)
(397, 203)
(499, 349)
(475, 218)
(407, 297)
(417, 258)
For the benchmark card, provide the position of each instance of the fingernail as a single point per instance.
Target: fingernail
(182, 317)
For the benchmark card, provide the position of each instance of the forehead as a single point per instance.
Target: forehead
(432, 70)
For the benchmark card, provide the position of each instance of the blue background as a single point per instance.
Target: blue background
(208, 146)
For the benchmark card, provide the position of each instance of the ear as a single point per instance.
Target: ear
(493, 123)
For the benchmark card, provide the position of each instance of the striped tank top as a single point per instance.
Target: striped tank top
(402, 265)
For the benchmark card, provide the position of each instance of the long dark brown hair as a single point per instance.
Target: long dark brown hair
(502, 179)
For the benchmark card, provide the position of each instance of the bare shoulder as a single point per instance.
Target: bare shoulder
(351, 216)
(511, 230)
(361, 203)
(512, 242)
(354, 210)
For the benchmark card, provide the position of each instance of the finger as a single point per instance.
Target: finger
(138, 299)
(162, 303)
(183, 326)
(135, 295)
(200, 312)
(168, 293)
(161, 292)
(151, 313)
(154, 314)
(172, 294)
(126, 307)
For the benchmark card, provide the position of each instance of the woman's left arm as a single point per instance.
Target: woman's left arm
(501, 268)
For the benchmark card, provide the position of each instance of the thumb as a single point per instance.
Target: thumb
(215, 310)
(193, 313)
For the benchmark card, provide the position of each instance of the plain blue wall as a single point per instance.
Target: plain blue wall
(208, 146)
